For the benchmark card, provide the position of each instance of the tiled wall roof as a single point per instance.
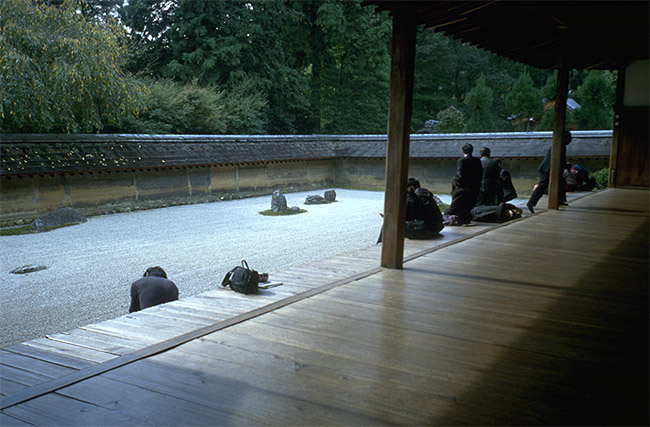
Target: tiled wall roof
(41, 154)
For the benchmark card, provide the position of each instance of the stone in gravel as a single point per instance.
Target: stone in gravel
(278, 202)
(314, 199)
(330, 195)
(63, 216)
(295, 208)
(28, 269)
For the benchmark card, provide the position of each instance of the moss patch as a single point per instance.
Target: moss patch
(27, 229)
(269, 212)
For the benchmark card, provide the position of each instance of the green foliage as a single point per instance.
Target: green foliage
(451, 120)
(259, 66)
(27, 229)
(61, 73)
(351, 68)
(224, 44)
(596, 98)
(602, 178)
(524, 100)
(479, 101)
(175, 108)
(285, 212)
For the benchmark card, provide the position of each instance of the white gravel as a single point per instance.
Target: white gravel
(91, 266)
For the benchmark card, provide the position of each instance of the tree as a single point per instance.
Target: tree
(222, 44)
(596, 97)
(353, 69)
(451, 120)
(594, 91)
(61, 73)
(434, 89)
(479, 102)
(524, 101)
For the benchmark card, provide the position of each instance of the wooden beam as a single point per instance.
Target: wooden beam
(561, 92)
(399, 129)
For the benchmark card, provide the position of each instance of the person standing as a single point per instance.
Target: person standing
(544, 172)
(490, 179)
(152, 289)
(470, 173)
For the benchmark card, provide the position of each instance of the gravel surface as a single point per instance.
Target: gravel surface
(91, 266)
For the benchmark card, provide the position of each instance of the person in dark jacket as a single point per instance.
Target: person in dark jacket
(461, 205)
(488, 195)
(423, 217)
(152, 289)
(470, 174)
(507, 189)
(544, 172)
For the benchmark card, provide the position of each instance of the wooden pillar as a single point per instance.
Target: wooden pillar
(559, 120)
(399, 129)
(618, 108)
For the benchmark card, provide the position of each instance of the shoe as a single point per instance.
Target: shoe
(530, 207)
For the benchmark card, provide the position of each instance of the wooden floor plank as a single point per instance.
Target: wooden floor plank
(31, 364)
(329, 370)
(50, 356)
(6, 420)
(92, 355)
(56, 410)
(127, 401)
(21, 376)
(101, 341)
(267, 390)
(7, 386)
(87, 342)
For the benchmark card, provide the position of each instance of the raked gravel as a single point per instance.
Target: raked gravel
(91, 266)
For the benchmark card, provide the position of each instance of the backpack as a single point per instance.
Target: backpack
(242, 279)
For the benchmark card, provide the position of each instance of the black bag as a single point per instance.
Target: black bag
(242, 279)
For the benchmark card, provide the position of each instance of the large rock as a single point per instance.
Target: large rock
(314, 199)
(28, 269)
(330, 195)
(278, 202)
(59, 217)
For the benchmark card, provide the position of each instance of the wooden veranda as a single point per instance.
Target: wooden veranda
(542, 320)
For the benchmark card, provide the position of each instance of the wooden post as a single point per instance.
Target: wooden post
(399, 129)
(616, 133)
(555, 174)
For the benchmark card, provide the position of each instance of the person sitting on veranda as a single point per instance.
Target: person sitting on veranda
(462, 202)
(423, 216)
(421, 207)
(507, 189)
(152, 289)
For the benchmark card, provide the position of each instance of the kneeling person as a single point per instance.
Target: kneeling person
(153, 289)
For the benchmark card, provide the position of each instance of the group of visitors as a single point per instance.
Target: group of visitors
(480, 190)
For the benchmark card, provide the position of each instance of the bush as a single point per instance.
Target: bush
(602, 178)
(176, 108)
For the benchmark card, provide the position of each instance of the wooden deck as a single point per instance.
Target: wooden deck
(540, 321)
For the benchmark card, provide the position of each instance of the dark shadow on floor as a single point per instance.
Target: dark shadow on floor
(602, 376)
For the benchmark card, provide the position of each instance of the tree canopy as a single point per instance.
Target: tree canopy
(259, 66)
(60, 72)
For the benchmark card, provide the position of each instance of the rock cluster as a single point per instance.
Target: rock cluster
(63, 216)
(330, 196)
